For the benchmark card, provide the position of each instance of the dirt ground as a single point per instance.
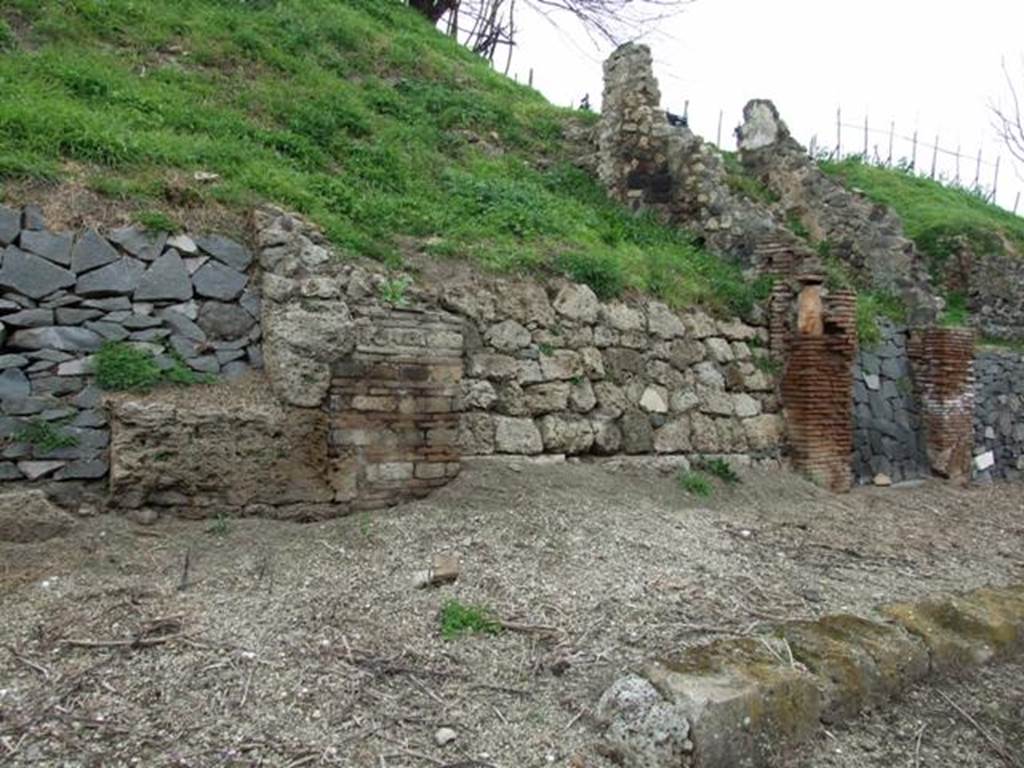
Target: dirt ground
(288, 645)
(976, 721)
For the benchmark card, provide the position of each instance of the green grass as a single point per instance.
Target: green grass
(872, 308)
(935, 216)
(121, 367)
(356, 113)
(956, 314)
(458, 619)
(695, 483)
(44, 436)
(720, 468)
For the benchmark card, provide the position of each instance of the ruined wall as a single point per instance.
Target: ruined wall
(647, 164)
(999, 414)
(62, 295)
(887, 417)
(993, 283)
(530, 369)
(866, 236)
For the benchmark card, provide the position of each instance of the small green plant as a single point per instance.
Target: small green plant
(121, 367)
(44, 436)
(157, 221)
(721, 469)
(8, 41)
(871, 309)
(956, 314)
(600, 270)
(458, 619)
(219, 526)
(797, 227)
(366, 525)
(767, 364)
(546, 349)
(695, 483)
(393, 291)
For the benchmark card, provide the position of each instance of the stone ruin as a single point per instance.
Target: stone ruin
(342, 387)
(904, 409)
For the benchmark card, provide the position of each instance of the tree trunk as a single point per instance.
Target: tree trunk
(433, 9)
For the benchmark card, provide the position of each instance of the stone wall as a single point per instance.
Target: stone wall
(887, 416)
(535, 369)
(999, 414)
(648, 164)
(63, 295)
(868, 237)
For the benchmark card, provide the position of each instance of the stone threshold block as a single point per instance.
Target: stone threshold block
(739, 703)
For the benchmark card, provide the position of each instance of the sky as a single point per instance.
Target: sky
(930, 66)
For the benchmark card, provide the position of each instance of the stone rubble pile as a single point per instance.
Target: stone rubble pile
(63, 296)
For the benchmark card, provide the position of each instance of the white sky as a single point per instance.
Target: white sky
(932, 65)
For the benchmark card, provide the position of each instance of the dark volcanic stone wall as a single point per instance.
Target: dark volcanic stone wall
(999, 414)
(63, 295)
(887, 416)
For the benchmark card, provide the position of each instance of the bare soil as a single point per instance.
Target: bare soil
(254, 642)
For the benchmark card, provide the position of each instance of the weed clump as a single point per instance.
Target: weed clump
(122, 367)
(695, 483)
(458, 619)
(44, 436)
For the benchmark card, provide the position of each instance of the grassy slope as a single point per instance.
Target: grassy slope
(354, 112)
(933, 214)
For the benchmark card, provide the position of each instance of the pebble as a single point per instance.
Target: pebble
(445, 736)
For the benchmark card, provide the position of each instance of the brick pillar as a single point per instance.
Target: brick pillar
(817, 393)
(942, 362)
(392, 408)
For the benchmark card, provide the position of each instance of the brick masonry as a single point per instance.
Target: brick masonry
(394, 428)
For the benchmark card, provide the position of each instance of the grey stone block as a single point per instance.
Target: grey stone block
(109, 331)
(14, 383)
(225, 321)
(225, 250)
(91, 251)
(56, 385)
(217, 281)
(83, 470)
(112, 304)
(138, 242)
(89, 397)
(204, 364)
(60, 337)
(10, 225)
(165, 279)
(75, 316)
(134, 322)
(32, 275)
(26, 406)
(117, 278)
(32, 218)
(29, 318)
(49, 245)
(182, 325)
(12, 361)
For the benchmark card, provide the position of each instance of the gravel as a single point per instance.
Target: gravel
(289, 645)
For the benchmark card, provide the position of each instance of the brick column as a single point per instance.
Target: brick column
(817, 393)
(942, 361)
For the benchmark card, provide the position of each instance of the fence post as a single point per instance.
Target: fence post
(892, 135)
(957, 179)
(812, 152)
(718, 141)
(913, 155)
(865, 137)
(977, 170)
(531, 77)
(995, 180)
(935, 154)
(1016, 202)
(839, 133)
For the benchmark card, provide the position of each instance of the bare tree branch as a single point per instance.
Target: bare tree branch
(1009, 121)
(484, 26)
